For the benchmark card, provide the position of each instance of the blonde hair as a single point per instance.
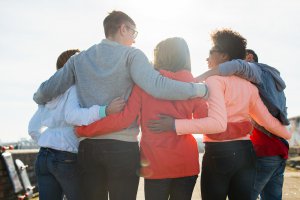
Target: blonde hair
(172, 54)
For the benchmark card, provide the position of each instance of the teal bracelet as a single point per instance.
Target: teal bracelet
(102, 112)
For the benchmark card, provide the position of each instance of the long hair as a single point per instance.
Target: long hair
(172, 54)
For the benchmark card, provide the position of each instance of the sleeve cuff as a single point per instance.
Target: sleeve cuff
(202, 90)
(177, 126)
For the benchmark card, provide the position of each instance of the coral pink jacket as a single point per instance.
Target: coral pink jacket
(231, 99)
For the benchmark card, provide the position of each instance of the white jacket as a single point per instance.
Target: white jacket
(52, 124)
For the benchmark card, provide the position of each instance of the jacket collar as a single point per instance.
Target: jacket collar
(110, 42)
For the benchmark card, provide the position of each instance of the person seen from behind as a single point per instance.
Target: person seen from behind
(51, 127)
(109, 163)
(228, 166)
(271, 150)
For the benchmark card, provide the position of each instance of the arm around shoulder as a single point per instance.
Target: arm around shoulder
(241, 68)
(57, 84)
(150, 80)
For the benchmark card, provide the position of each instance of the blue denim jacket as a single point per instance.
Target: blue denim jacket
(271, 92)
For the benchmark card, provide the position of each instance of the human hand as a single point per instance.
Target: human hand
(75, 131)
(115, 106)
(165, 123)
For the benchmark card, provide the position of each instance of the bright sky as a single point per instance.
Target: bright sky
(33, 34)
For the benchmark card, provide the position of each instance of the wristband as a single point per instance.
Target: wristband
(102, 112)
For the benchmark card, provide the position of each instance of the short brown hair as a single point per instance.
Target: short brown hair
(172, 54)
(64, 57)
(229, 42)
(113, 22)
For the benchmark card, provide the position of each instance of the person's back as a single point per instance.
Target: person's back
(240, 98)
(269, 148)
(56, 138)
(163, 157)
(101, 73)
(52, 117)
(161, 151)
(166, 153)
(271, 90)
(231, 99)
(109, 72)
(57, 133)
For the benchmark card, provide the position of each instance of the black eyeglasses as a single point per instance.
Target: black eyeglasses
(135, 33)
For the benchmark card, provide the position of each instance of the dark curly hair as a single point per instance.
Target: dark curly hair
(230, 42)
(64, 57)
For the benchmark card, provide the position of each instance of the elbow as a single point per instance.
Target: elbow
(288, 135)
(39, 98)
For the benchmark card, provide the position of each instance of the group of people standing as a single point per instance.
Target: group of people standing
(93, 106)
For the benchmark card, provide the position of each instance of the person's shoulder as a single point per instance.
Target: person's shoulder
(228, 80)
(217, 78)
(239, 81)
(243, 83)
(135, 50)
(135, 53)
(91, 49)
(216, 81)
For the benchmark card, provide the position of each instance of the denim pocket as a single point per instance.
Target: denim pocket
(65, 164)
(66, 157)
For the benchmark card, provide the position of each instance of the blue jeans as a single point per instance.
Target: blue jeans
(108, 167)
(56, 173)
(170, 188)
(269, 177)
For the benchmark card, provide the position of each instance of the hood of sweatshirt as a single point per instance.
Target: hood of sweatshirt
(182, 75)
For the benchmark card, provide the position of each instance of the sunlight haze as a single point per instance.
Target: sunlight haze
(34, 33)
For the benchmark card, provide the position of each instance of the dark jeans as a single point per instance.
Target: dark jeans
(57, 174)
(269, 177)
(108, 167)
(228, 169)
(170, 188)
